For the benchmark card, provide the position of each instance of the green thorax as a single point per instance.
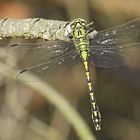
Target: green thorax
(80, 36)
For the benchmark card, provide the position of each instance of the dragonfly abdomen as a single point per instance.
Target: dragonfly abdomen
(96, 116)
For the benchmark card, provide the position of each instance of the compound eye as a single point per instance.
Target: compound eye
(72, 25)
(83, 22)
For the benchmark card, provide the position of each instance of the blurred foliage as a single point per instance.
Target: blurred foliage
(117, 90)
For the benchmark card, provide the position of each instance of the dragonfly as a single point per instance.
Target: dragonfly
(110, 48)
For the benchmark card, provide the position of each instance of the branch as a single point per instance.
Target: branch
(54, 97)
(32, 28)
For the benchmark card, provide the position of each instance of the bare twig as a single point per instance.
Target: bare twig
(32, 28)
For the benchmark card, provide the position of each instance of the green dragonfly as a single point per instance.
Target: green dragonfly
(106, 49)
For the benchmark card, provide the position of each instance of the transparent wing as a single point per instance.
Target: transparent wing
(55, 67)
(35, 53)
(45, 59)
(109, 48)
(123, 34)
(130, 55)
(115, 56)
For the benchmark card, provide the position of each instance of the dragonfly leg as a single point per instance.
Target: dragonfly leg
(89, 27)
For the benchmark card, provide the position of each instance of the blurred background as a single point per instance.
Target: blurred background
(117, 89)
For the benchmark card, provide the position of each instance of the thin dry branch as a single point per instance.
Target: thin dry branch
(32, 28)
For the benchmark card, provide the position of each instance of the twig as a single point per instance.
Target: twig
(32, 28)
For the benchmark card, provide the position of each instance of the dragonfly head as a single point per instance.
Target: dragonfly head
(78, 23)
(76, 29)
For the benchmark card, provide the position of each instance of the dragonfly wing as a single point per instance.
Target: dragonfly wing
(104, 56)
(123, 34)
(108, 48)
(130, 55)
(45, 59)
(114, 56)
(54, 67)
(35, 53)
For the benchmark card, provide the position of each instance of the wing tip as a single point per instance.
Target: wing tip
(13, 45)
(22, 71)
